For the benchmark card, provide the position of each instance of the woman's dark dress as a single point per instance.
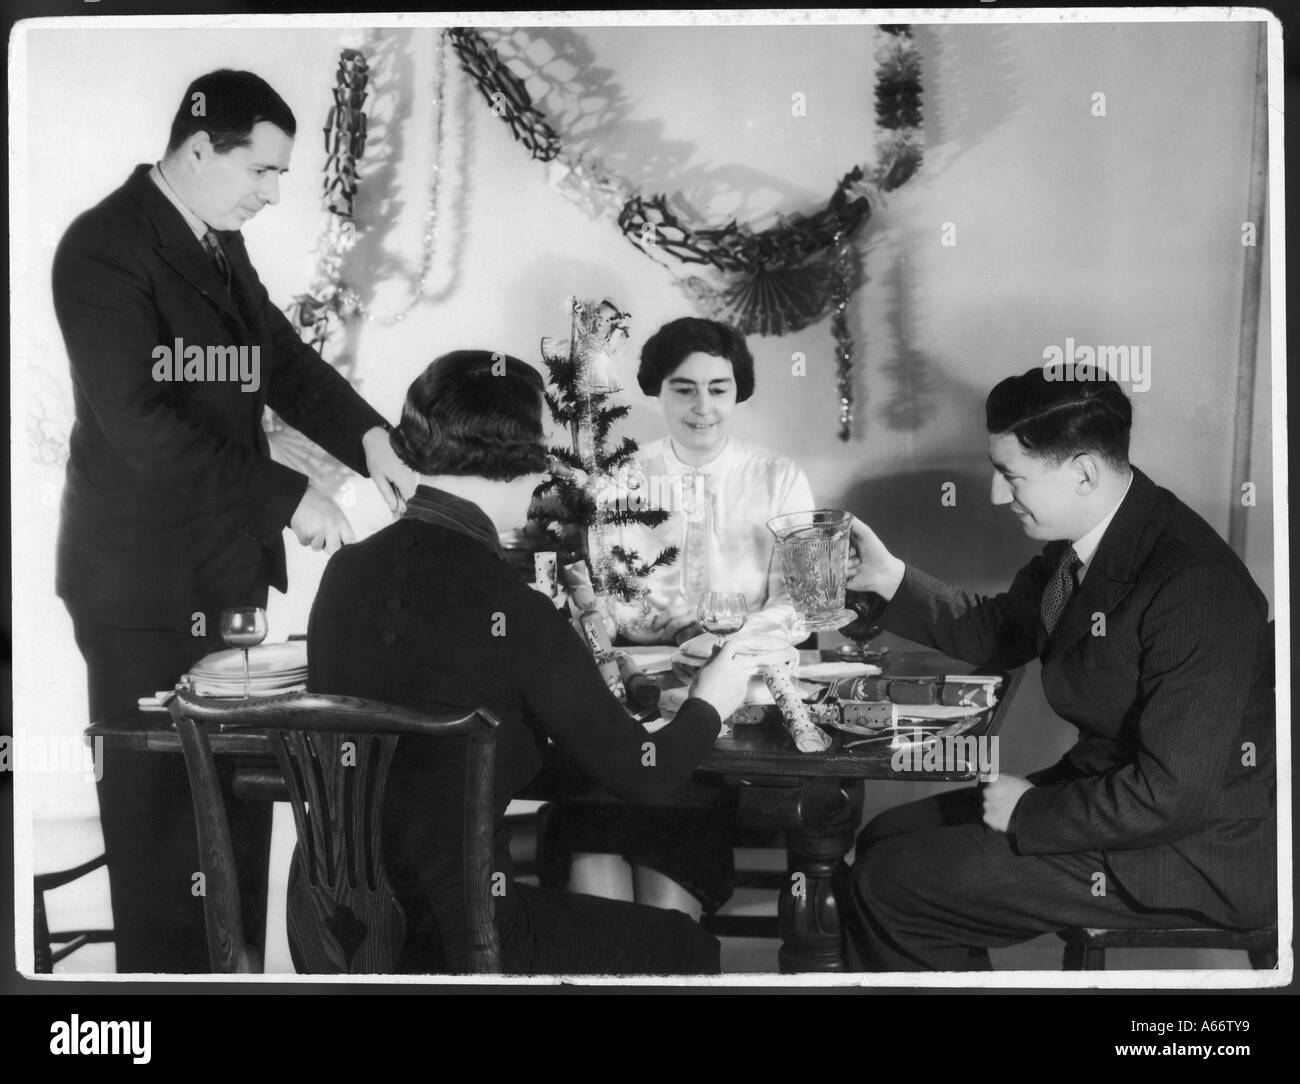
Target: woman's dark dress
(426, 613)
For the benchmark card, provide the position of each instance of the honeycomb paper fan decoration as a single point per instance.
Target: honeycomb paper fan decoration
(775, 300)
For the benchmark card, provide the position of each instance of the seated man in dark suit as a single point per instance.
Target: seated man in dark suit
(1154, 644)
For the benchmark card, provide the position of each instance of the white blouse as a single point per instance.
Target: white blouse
(719, 525)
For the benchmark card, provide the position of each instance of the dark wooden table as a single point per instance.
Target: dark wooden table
(816, 799)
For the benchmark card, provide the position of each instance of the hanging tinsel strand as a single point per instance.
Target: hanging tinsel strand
(841, 291)
(320, 313)
(350, 299)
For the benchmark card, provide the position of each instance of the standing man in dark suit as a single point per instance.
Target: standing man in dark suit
(1154, 644)
(173, 509)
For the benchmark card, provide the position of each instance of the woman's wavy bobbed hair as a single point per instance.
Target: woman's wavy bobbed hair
(677, 340)
(473, 412)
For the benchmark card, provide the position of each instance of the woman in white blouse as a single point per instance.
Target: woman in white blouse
(721, 492)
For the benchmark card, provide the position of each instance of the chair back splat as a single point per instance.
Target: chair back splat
(334, 753)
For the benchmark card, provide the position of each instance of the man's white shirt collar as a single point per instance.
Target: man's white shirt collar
(192, 220)
(1086, 547)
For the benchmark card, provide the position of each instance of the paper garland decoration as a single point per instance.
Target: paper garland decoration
(773, 281)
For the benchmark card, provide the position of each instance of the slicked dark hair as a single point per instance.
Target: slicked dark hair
(677, 340)
(232, 103)
(473, 412)
(1061, 411)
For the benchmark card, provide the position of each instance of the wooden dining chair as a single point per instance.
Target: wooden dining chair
(334, 754)
(1085, 949)
(49, 947)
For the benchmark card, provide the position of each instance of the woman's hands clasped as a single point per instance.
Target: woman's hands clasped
(722, 681)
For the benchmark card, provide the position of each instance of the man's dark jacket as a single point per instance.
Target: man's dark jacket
(1163, 661)
(172, 500)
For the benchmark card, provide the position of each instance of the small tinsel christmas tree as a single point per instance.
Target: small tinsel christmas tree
(578, 510)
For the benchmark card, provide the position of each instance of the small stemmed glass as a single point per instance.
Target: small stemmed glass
(722, 613)
(244, 627)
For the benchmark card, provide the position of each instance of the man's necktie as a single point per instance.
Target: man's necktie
(218, 256)
(1057, 595)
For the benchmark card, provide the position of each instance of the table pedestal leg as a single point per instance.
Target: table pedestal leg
(820, 818)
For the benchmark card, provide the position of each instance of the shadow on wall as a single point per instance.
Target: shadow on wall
(954, 121)
(973, 82)
(381, 254)
(387, 251)
(979, 546)
(912, 401)
(968, 542)
(585, 102)
(972, 85)
(371, 259)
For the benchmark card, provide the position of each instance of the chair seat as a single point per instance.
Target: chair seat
(1256, 940)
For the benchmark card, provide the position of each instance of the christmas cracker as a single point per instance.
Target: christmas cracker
(807, 738)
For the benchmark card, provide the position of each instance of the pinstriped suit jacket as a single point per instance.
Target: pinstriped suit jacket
(1173, 775)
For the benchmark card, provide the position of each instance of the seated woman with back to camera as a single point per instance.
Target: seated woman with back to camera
(414, 616)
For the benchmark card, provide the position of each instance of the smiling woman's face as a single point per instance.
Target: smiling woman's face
(698, 399)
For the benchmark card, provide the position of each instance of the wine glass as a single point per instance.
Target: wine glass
(863, 629)
(722, 613)
(244, 627)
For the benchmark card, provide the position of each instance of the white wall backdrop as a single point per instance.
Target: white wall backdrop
(1116, 230)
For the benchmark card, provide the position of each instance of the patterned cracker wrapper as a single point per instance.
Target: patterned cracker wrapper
(577, 583)
(879, 715)
(915, 690)
(807, 738)
(825, 714)
(872, 687)
(546, 573)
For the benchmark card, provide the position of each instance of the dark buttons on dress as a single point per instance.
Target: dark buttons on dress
(393, 604)
(388, 637)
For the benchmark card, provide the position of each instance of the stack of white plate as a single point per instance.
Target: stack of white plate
(272, 669)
